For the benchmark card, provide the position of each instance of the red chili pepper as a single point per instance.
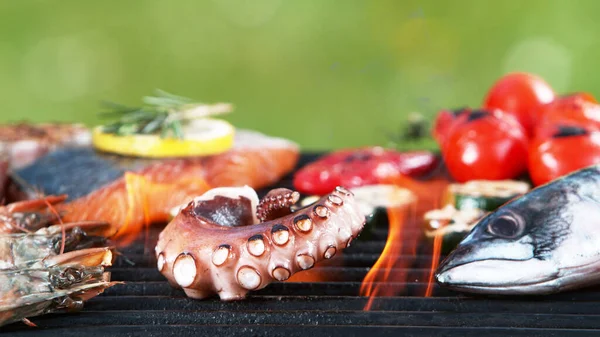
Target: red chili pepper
(485, 145)
(569, 149)
(358, 167)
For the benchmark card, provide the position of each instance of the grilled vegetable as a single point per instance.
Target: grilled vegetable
(443, 123)
(359, 167)
(580, 110)
(485, 145)
(569, 149)
(486, 195)
(521, 95)
(377, 199)
(450, 223)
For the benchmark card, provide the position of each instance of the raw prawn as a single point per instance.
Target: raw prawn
(50, 269)
(27, 215)
(35, 279)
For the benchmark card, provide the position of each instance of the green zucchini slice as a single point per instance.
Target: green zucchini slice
(486, 195)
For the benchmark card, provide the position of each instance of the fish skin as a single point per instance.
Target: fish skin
(545, 241)
(75, 172)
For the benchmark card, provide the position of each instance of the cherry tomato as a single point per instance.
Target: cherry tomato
(577, 109)
(443, 122)
(552, 129)
(522, 95)
(568, 150)
(568, 102)
(485, 146)
(580, 96)
(357, 167)
(468, 115)
(446, 120)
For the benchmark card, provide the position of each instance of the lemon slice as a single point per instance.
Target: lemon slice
(201, 137)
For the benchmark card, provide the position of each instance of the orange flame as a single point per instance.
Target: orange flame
(380, 272)
(132, 204)
(325, 271)
(150, 202)
(435, 260)
(404, 219)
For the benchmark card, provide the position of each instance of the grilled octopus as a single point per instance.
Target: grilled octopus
(227, 242)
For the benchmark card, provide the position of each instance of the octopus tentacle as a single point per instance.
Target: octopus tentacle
(276, 204)
(204, 253)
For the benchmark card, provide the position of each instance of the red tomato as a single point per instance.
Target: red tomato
(446, 120)
(443, 122)
(580, 96)
(485, 146)
(469, 115)
(357, 167)
(520, 94)
(568, 150)
(550, 130)
(578, 110)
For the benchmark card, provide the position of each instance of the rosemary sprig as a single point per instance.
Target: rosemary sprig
(163, 113)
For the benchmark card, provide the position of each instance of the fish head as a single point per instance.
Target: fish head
(545, 241)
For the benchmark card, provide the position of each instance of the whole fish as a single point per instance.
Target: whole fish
(545, 241)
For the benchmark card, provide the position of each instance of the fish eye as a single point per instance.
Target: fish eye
(506, 226)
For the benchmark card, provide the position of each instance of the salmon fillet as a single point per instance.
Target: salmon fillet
(140, 192)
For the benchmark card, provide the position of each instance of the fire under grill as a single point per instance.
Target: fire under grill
(324, 301)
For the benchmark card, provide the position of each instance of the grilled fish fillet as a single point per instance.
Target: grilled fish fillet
(130, 193)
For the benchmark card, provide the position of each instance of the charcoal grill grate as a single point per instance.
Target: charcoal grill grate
(147, 306)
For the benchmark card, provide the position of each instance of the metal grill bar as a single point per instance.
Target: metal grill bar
(285, 289)
(148, 306)
(317, 318)
(354, 274)
(437, 305)
(298, 330)
(354, 260)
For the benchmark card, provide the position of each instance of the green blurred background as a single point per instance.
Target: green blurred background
(325, 73)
